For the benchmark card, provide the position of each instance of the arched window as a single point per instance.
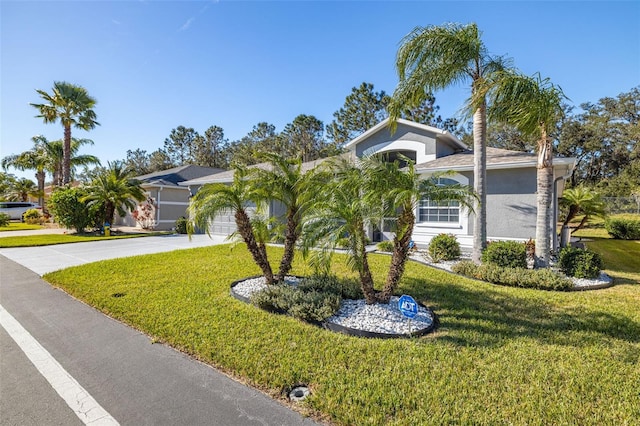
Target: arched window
(439, 211)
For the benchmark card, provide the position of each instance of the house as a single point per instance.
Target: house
(169, 200)
(511, 184)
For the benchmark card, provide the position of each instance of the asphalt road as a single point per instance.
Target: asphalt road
(134, 380)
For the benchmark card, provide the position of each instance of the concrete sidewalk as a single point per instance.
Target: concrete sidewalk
(135, 381)
(51, 258)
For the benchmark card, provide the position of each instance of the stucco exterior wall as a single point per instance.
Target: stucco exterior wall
(511, 203)
(405, 138)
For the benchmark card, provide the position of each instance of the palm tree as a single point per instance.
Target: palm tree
(285, 182)
(55, 150)
(114, 190)
(534, 106)
(216, 198)
(72, 105)
(21, 189)
(34, 159)
(584, 201)
(433, 58)
(341, 211)
(401, 188)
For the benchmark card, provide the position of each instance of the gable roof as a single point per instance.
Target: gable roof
(175, 175)
(496, 159)
(227, 175)
(440, 134)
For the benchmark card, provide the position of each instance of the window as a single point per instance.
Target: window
(439, 211)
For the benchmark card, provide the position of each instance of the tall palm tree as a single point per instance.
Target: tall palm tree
(114, 190)
(285, 182)
(534, 106)
(215, 198)
(72, 105)
(340, 211)
(401, 188)
(433, 58)
(55, 150)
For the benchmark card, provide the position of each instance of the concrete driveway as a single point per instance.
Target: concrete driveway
(42, 260)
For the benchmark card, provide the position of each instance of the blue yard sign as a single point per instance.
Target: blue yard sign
(408, 306)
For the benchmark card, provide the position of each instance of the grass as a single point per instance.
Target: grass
(501, 355)
(19, 226)
(51, 239)
(621, 257)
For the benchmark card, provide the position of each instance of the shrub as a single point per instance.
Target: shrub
(508, 254)
(444, 247)
(4, 219)
(385, 246)
(305, 305)
(33, 216)
(68, 210)
(466, 268)
(345, 288)
(580, 263)
(315, 298)
(181, 225)
(623, 229)
(542, 279)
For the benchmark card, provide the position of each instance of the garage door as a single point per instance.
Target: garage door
(225, 223)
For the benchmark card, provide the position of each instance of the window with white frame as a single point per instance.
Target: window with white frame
(439, 211)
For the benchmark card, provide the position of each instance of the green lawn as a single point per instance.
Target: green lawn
(19, 226)
(51, 239)
(500, 356)
(621, 257)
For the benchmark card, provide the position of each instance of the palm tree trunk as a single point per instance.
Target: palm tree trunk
(582, 223)
(291, 236)
(40, 177)
(480, 181)
(66, 162)
(258, 253)
(543, 218)
(366, 281)
(400, 253)
(573, 212)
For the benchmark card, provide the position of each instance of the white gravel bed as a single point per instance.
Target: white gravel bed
(356, 314)
(247, 287)
(382, 318)
(602, 281)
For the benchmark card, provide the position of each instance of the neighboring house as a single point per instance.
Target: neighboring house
(511, 184)
(169, 199)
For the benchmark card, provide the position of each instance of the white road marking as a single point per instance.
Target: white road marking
(76, 397)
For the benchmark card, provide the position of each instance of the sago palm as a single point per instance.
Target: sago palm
(534, 106)
(433, 58)
(214, 199)
(73, 107)
(583, 201)
(115, 190)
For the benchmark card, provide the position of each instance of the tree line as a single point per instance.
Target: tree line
(306, 137)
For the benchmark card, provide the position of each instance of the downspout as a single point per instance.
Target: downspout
(554, 237)
(564, 177)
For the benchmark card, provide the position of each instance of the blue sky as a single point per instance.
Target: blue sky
(155, 65)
